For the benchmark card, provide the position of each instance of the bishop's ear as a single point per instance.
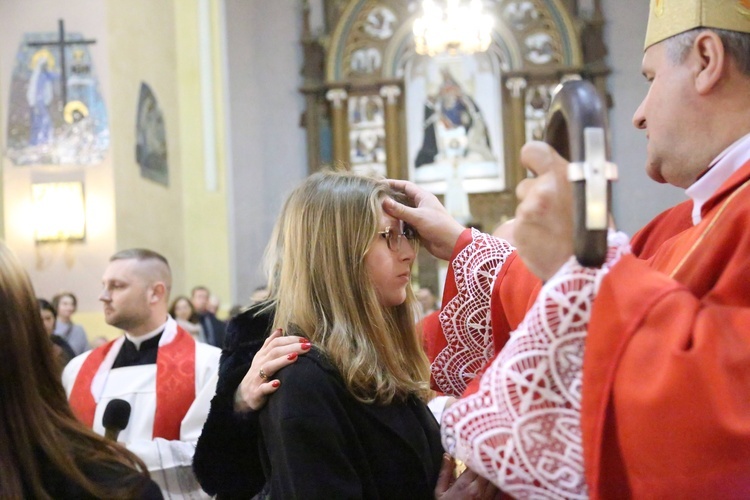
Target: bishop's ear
(711, 58)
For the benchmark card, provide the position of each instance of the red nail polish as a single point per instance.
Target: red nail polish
(306, 346)
(303, 340)
(291, 356)
(275, 383)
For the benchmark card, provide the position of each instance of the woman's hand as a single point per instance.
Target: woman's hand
(277, 352)
(468, 485)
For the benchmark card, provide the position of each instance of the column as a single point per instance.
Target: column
(339, 104)
(390, 95)
(516, 172)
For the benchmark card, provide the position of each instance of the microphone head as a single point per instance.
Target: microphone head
(116, 414)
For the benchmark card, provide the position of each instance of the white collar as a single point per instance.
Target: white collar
(728, 162)
(142, 338)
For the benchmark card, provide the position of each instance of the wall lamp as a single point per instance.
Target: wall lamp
(59, 211)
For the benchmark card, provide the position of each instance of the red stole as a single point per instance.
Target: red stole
(175, 385)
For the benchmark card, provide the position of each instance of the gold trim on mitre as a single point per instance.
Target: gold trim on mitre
(668, 18)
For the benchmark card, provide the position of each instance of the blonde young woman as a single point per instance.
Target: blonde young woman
(350, 419)
(336, 406)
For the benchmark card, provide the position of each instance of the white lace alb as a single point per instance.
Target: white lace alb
(521, 429)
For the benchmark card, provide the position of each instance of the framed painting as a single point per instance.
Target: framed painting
(454, 122)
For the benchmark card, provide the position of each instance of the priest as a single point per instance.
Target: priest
(167, 378)
(632, 380)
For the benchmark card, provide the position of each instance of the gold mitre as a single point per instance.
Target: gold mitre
(667, 18)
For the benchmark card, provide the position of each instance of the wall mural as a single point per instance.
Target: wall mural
(453, 109)
(56, 113)
(151, 138)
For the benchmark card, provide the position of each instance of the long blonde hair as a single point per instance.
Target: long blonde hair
(320, 285)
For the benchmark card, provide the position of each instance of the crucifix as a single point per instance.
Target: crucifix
(61, 43)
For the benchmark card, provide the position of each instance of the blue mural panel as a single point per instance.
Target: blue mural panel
(56, 113)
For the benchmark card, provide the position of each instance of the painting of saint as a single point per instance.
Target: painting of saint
(454, 125)
(151, 138)
(56, 114)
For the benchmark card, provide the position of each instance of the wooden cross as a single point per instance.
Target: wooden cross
(61, 43)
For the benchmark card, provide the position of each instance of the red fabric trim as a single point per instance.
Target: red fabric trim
(175, 385)
(434, 338)
(81, 400)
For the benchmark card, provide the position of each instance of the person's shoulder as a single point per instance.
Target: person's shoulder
(251, 326)
(311, 373)
(72, 368)
(207, 352)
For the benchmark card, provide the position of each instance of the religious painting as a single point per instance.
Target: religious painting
(367, 134)
(454, 123)
(537, 99)
(56, 113)
(151, 138)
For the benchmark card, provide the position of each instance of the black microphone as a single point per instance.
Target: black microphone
(115, 418)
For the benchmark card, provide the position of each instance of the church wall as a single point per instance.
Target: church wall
(204, 210)
(159, 43)
(142, 48)
(637, 199)
(53, 267)
(155, 42)
(268, 147)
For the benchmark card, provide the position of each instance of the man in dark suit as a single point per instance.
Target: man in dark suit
(213, 327)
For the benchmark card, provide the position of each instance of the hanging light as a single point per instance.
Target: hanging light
(459, 27)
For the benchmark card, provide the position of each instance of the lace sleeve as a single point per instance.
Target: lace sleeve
(465, 319)
(521, 429)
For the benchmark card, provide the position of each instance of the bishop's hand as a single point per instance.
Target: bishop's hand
(438, 231)
(543, 228)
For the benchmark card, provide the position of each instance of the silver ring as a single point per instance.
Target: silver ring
(262, 374)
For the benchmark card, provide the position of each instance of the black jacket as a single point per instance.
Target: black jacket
(318, 442)
(371, 451)
(214, 329)
(226, 460)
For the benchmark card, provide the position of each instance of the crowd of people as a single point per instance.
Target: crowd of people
(546, 379)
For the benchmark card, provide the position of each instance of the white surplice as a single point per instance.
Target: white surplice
(168, 461)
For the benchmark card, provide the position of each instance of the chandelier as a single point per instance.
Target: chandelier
(459, 27)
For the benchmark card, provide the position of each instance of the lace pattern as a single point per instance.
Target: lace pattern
(522, 428)
(466, 318)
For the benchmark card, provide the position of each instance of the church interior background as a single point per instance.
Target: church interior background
(184, 123)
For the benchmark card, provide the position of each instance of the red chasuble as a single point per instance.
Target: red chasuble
(666, 372)
(175, 385)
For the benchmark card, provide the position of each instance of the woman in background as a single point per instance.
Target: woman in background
(44, 450)
(61, 348)
(183, 311)
(66, 304)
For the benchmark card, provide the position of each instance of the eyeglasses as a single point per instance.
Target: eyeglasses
(394, 235)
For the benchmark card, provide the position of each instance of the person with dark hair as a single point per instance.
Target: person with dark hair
(631, 380)
(156, 366)
(213, 328)
(184, 313)
(44, 450)
(61, 348)
(65, 303)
